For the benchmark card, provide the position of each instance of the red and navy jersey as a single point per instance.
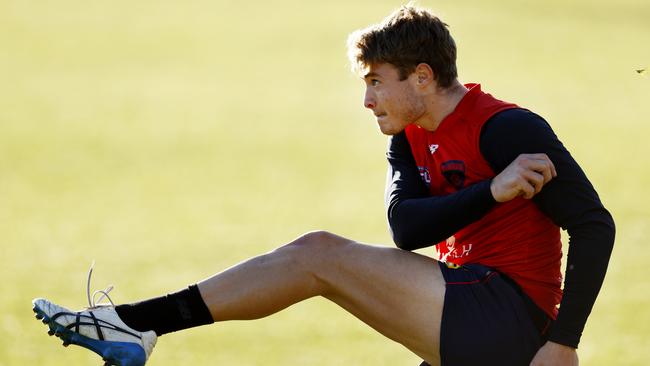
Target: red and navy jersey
(515, 237)
(441, 195)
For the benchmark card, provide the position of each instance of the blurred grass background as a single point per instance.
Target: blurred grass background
(170, 140)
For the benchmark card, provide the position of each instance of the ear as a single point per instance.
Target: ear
(424, 74)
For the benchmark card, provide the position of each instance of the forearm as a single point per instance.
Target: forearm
(420, 222)
(590, 247)
(417, 219)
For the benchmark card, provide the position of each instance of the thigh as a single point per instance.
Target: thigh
(398, 293)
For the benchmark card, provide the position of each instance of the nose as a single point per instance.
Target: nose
(369, 99)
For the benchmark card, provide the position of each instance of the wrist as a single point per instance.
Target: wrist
(558, 335)
(493, 190)
(561, 347)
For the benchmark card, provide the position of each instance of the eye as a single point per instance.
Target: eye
(374, 82)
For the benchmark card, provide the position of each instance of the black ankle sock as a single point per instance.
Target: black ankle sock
(180, 310)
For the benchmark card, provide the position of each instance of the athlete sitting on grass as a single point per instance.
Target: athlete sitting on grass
(486, 182)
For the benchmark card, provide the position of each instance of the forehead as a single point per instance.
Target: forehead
(384, 70)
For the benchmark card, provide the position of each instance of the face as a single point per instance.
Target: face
(394, 102)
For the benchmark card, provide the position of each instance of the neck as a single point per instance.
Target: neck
(441, 103)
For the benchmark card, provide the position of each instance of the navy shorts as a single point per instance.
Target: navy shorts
(487, 319)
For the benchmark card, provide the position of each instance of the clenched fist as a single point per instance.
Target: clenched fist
(525, 176)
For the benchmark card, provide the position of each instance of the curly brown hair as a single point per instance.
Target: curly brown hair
(406, 38)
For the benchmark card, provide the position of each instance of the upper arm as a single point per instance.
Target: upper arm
(567, 197)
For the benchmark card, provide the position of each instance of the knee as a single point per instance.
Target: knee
(316, 238)
(315, 248)
(320, 241)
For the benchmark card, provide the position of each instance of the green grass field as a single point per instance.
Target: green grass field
(171, 140)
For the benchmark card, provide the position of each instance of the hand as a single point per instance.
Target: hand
(555, 354)
(525, 176)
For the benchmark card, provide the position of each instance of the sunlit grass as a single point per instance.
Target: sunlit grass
(168, 141)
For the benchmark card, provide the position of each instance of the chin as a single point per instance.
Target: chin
(389, 132)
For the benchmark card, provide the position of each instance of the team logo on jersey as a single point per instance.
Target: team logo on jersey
(433, 148)
(454, 172)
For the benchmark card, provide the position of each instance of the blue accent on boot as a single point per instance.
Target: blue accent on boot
(114, 353)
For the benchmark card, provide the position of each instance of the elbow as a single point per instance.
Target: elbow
(408, 229)
(611, 229)
(607, 228)
(401, 232)
(401, 239)
(598, 228)
(395, 226)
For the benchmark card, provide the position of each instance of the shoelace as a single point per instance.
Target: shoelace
(91, 299)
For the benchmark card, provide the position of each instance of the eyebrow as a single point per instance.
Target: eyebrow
(370, 74)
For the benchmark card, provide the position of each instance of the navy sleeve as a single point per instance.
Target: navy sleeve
(415, 218)
(570, 201)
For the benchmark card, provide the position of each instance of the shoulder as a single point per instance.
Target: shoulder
(517, 131)
(520, 129)
(516, 121)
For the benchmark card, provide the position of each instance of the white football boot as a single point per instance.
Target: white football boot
(99, 329)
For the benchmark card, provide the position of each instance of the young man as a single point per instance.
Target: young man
(486, 182)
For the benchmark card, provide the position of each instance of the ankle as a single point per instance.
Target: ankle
(170, 313)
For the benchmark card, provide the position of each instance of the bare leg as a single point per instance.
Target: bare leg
(398, 293)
